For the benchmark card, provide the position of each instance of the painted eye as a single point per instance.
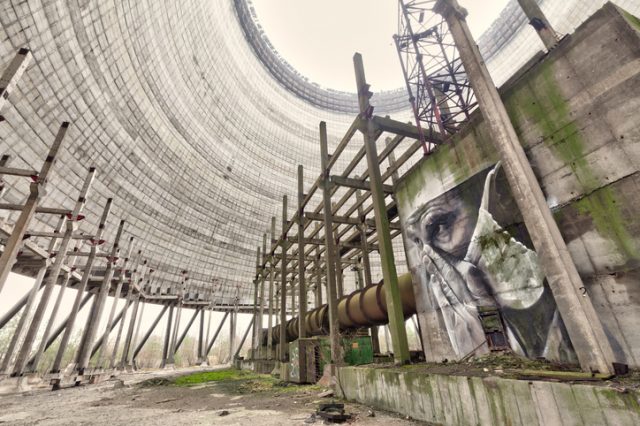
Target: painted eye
(440, 230)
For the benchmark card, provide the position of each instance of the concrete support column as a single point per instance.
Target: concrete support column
(236, 354)
(215, 335)
(136, 263)
(126, 359)
(183, 335)
(116, 298)
(318, 275)
(173, 346)
(81, 289)
(24, 318)
(272, 302)
(260, 322)
(539, 22)
(302, 285)
(12, 74)
(93, 322)
(148, 333)
(167, 338)
(366, 266)
(583, 325)
(387, 261)
(36, 189)
(294, 305)
(52, 278)
(283, 285)
(201, 338)
(330, 250)
(256, 290)
(32, 365)
(232, 334)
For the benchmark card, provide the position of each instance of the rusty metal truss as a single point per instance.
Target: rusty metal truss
(439, 91)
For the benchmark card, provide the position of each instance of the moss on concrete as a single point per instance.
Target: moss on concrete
(634, 21)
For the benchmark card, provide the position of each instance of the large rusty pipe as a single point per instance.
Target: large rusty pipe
(366, 307)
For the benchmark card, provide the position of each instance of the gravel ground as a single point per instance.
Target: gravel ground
(127, 400)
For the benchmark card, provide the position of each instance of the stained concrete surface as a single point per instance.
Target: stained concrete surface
(134, 402)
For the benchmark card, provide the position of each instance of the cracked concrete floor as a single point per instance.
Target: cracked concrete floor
(111, 403)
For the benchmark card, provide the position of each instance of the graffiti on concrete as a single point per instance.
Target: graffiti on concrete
(469, 249)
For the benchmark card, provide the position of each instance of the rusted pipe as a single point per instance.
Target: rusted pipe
(366, 307)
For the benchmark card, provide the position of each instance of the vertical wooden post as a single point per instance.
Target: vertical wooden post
(283, 285)
(330, 259)
(387, 261)
(302, 285)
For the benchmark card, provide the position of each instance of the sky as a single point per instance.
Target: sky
(319, 38)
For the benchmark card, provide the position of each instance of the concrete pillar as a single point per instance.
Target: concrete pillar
(81, 289)
(140, 345)
(359, 274)
(32, 366)
(31, 299)
(272, 302)
(583, 325)
(256, 289)
(136, 265)
(57, 331)
(206, 339)
(126, 359)
(215, 335)
(318, 275)
(236, 354)
(201, 338)
(52, 278)
(283, 285)
(232, 334)
(174, 339)
(330, 250)
(302, 285)
(183, 335)
(116, 298)
(24, 318)
(387, 261)
(93, 321)
(294, 304)
(12, 74)
(540, 23)
(36, 189)
(260, 323)
(167, 338)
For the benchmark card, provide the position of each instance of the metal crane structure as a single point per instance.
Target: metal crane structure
(439, 91)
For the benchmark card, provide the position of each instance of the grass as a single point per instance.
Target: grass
(216, 376)
(236, 382)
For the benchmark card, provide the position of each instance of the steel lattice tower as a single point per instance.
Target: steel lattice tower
(439, 91)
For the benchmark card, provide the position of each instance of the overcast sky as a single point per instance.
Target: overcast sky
(319, 38)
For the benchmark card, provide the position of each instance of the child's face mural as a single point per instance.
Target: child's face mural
(466, 260)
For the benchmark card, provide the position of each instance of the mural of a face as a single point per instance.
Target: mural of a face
(466, 260)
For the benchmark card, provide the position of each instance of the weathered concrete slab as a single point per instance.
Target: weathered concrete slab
(463, 400)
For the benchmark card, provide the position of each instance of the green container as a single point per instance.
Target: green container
(357, 350)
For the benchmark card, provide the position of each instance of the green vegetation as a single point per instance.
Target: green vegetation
(216, 376)
(234, 381)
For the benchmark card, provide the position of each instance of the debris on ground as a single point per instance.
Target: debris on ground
(223, 413)
(371, 413)
(333, 412)
(159, 381)
(326, 393)
(166, 400)
(118, 384)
